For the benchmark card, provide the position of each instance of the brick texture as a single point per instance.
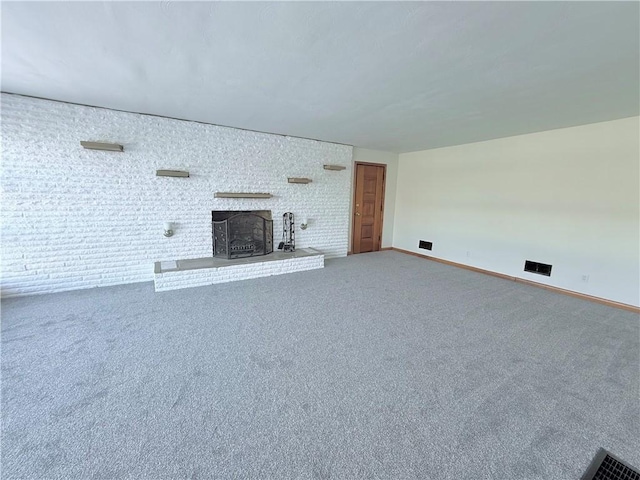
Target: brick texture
(75, 218)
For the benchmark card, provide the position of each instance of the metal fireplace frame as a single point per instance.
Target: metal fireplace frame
(223, 233)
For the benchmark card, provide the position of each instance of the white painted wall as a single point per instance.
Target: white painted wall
(568, 197)
(391, 161)
(74, 218)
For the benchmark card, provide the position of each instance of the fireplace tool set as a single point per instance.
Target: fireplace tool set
(288, 243)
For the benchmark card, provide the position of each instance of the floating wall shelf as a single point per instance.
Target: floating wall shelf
(171, 173)
(334, 167)
(242, 195)
(299, 180)
(111, 147)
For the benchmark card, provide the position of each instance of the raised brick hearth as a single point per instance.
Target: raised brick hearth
(199, 272)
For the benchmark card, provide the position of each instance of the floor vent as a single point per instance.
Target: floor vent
(426, 245)
(606, 466)
(537, 267)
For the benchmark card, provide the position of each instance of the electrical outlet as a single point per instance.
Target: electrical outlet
(585, 278)
(468, 253)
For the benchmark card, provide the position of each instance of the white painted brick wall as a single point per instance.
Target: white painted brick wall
(211, 276)
(75, 218)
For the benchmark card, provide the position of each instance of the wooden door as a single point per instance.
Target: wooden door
(368, 207)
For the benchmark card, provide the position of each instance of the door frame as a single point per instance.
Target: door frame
(355, 191)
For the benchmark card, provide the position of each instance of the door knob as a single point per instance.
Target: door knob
(357, 214)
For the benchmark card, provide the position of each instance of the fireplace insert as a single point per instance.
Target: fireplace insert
(238, 234)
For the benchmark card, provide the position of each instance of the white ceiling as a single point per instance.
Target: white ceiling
(396, 76)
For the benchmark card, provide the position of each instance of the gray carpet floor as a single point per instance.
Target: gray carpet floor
(379, 366)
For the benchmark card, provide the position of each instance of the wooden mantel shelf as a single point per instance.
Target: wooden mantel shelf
(242, 195)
